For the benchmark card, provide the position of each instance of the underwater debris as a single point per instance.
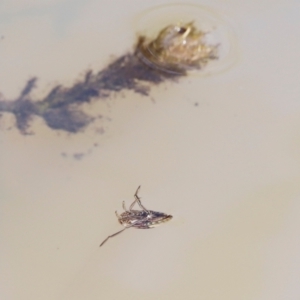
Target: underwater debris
(177, 49)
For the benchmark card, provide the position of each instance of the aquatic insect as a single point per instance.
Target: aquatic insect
(142, 219)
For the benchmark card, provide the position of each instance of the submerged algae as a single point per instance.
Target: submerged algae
(176, 49)
(61, 110)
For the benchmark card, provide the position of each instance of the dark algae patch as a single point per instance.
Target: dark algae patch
(61, 108)
(170, 55)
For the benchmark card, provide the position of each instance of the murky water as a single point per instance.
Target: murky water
(220, 153)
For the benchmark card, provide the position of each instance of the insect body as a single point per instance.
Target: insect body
(142, 219)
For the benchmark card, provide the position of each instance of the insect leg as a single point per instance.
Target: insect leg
(132, 224)
(117, 215)
(141, 205)
(112, 236)
(138, 200)
(123, 204)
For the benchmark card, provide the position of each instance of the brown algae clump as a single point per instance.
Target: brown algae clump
(177, 49)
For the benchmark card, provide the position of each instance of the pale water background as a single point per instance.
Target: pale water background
(221, 153)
